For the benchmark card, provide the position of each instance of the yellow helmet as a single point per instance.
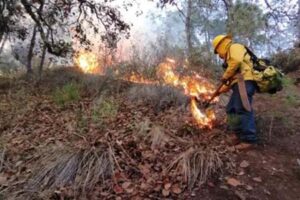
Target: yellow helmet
(218, 40)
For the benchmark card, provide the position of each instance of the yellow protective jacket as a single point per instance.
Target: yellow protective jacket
(238, 60)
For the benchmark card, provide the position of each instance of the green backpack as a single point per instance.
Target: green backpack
(269, 79)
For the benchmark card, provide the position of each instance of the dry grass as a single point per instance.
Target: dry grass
(147, 131)
(142, 128)
(158, 137)
(197, 165)
(161, 97)
(2, 157)
(82, 170)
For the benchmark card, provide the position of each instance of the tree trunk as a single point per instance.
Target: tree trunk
(30, 52)
(230, 16)
(3, 43)
(40, 70)
(188, 30)
(298, 24)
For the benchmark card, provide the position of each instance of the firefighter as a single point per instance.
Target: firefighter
(239, 78)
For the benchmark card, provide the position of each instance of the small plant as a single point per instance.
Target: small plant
(233, 121)
(82, 122)
(143, 128)
(288, 81)
(67, 94)
(105, 109)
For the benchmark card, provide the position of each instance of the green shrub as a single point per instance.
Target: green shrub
(105, 109)
(233, 122)
(67, 94)
(287, 81)
(288, 60)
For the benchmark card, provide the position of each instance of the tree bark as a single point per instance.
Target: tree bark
(188, 30)
(298, 23)
(30, 52)
(230, 16)
(3, 43)
(44, 52)
(42, 62)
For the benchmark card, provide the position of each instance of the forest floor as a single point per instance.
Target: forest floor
(77, 136)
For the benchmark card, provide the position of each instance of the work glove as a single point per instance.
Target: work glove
(224, 89)
(224, 80)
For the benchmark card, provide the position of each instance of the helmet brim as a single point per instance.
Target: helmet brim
(220, 42)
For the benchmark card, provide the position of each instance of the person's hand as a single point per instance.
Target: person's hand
(224, 89)
(224, 80)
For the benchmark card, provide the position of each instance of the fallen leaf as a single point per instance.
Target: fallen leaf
(249, 187)
(193, 194)
(104, 194)
(176, 189)
(244, 164)
(129, 190)
(231, 149)
(144, 186)
(210, 184)
(267, 192)
(224, 187)
(165, 193)
(241, 173)
(257, 179)
(3, 179)
(144, 169)
(240, 195)
(233, 182)
(126, 185)
(157, 188)
(167, 186)
(117, 189)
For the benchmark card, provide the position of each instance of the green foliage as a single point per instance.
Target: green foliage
(67, 94)
(292, 98)
(81, 122)
(288, 60)
(105, 109)
(233, 121)
(200, 56)
(287, 82)
(248, 22)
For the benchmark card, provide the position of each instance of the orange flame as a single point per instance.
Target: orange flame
(139, 79)
(87, 62)
(203, 120)
(194, 86)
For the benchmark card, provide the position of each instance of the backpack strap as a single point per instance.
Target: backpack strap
(253, 57)
(255, 60)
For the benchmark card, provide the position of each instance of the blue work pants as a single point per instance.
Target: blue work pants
(242, 121)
